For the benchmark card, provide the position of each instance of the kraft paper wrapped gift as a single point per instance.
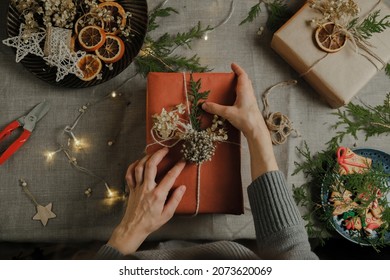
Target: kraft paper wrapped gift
(339, 76)
(220, 187)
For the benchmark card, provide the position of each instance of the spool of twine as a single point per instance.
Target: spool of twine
(278, 124)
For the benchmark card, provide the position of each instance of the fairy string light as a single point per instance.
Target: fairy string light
(72, 141)
(224, 21)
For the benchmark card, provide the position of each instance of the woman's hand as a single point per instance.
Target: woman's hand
(246, 116)
(147, 208)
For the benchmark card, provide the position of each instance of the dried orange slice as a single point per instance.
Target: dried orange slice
(88, 20)
(112, 50)
(330, 37)
(90, 66)
(113, 15)
(91, 37)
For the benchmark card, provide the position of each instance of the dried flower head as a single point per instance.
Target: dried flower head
(62, 13)
(337, 11)
(59, 13)
(198, 146)
(169, 125)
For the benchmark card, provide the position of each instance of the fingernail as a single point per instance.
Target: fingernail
(204, 105)
(182, 188)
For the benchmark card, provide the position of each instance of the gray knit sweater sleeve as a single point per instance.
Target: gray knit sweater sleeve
(280, 232)
(279, 229)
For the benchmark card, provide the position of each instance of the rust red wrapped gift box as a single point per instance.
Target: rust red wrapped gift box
(220, 187)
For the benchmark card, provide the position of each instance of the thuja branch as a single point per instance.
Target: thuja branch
(387, 69)
(252, 14)
(197, 98)
(370, 25)
(278, 13)
(323, 179)
(370, 120)
(157, 53)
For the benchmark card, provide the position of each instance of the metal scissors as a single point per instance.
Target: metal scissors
(28, 123)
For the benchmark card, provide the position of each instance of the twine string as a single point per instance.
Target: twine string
(184, 128)
(23, 184)
(278, 124)
(358, 43)
(197, 206)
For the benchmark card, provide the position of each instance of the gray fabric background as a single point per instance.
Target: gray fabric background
(83, 219)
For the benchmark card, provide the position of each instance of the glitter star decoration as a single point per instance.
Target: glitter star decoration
(26, 43)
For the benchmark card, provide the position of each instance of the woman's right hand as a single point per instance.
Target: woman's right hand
(246, 116)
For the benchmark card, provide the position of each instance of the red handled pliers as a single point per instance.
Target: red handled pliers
(28, 123)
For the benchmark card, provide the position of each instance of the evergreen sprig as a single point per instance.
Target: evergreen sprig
(319, 170)
(197, 99)
(157, 54)
(252, 14)
(315, 168)
(278, 14)
(159, 11)
(387, 69)
(370, 120)
(370, 25)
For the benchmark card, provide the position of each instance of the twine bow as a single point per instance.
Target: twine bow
(358, 42)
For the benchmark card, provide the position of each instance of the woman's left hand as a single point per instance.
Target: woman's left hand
(147, 208)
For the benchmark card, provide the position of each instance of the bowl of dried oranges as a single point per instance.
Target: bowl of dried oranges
(84, 42)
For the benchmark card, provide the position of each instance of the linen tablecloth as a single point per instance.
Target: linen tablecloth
(82, 218)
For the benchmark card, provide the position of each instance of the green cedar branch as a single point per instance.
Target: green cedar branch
(278, 14)
(197, 98)
(157, 53)
(252, 14)
(372, 121)
(319, 170)
(370, 25)
(387, 69)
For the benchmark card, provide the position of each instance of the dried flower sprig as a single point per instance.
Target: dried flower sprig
(51, 12)
(63, 13)
(345, 13)
(337, 11)
(199, 144)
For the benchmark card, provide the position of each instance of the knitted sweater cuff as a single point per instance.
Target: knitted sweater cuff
(106, 252)
(272, 205)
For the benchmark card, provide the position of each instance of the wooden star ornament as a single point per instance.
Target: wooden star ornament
(44, 213)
